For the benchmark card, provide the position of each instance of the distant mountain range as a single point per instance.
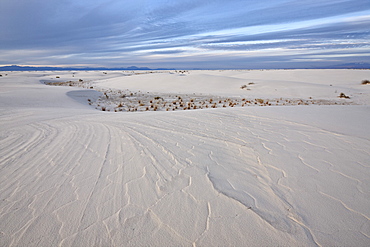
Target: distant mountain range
(351, 66)
(32, 68)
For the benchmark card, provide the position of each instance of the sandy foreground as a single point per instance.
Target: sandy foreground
(296, 173)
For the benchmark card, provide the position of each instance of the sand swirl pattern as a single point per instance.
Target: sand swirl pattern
(74, 176)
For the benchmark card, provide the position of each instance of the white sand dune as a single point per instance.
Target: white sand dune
(244, 176)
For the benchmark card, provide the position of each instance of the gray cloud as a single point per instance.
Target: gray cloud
(110, 32)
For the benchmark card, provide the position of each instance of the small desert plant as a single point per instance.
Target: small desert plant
(243, 86)
(259, 101)
(342, 95)
(80, 80)
(365, 82)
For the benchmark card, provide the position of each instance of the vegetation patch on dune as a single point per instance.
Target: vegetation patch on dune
(136, 101)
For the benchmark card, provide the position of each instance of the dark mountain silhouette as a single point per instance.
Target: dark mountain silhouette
(32, 68)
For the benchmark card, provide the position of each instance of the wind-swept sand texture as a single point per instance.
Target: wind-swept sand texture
(71, 175)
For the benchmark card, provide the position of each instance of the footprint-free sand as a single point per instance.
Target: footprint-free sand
(290, 167)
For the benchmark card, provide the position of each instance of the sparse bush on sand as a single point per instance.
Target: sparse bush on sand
(128, 101)
(365, 82)
(342, 95)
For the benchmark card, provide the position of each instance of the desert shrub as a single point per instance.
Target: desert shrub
(259, 101)
(243, 86)
(365, 82)
(80, 80)
(342, 95)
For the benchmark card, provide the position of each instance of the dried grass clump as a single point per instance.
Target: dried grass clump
(365, 82)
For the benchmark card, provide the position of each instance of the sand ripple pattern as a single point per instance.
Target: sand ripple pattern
(200, 178)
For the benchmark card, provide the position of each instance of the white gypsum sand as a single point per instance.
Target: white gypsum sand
(256, 175)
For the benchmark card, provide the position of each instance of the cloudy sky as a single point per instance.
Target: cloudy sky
(185, 33)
